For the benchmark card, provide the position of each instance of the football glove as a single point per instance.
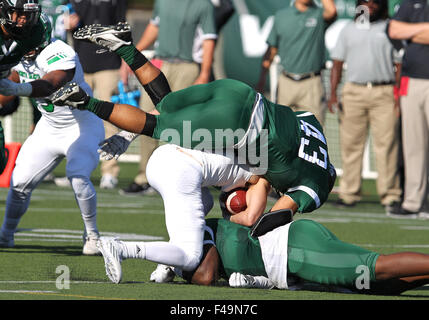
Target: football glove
(162, 274)
(116, 145)
(238, 280)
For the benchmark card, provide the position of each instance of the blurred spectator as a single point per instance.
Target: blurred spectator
(298, 37)
(410, 24)
(223, 9)
(57, 10)
(367, 101)
(101, 67)
(174, 25)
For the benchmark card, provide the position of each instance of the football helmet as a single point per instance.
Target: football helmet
(47, 35)
(10, 10)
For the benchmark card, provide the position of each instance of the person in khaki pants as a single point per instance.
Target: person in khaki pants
(367, 103)
(298, 38)
(410, 26)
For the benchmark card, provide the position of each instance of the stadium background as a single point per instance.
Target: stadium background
(238, 55)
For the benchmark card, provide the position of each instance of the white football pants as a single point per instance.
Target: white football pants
(185, 202)
(41, 153)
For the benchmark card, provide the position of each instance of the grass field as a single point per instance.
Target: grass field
(49, 241)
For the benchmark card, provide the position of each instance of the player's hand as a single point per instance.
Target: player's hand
(116, 145)
(162, 274)
(10, 88)
(238, 280)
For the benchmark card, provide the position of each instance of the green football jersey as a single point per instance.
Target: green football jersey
(238, 251)
(294, 149)
(299, 164)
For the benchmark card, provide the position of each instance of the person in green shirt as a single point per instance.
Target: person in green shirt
(298, 38)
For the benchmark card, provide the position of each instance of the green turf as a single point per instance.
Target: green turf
(29, 270)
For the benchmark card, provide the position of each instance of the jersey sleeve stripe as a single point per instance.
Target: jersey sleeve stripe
(308, 191)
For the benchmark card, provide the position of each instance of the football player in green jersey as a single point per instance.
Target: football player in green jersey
(291, 149)
(306, 254)
(22, 29)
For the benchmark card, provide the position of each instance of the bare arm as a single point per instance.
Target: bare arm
(421, 37)
(51, 82)
(329, 10)
(206, 65)
(285, 202)
(265, 66)
(400, 30)
(256, 199)
(336, 73)
(149, 36)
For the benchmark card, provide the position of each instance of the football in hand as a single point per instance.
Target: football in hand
(235, 201)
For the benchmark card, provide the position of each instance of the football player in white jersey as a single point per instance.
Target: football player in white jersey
(60, 133)
(182, 177)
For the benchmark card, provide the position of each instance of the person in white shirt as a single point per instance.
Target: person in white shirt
(60, 133)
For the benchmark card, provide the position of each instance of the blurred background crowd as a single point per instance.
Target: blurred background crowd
(362, 63)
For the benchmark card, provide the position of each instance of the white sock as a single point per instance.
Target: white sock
(159, 252)
(133, 250)
(86, 199)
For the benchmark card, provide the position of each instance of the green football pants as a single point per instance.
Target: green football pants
(317, 255)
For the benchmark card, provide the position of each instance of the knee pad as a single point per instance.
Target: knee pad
(82, 187)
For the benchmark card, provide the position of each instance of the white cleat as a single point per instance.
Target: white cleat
(110, 37)
(5, 242)
(70, 95)
(112, 254)
(90, 245)
(162, 274)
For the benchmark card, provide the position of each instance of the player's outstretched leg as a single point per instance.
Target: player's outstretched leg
(117, 38)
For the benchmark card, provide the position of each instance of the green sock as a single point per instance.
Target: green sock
(134, 58)
(102, 109)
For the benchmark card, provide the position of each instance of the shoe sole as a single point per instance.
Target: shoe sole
(112, 266)
(87, 32)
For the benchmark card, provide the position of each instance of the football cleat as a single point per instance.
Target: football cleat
(90, 245)
(110, 37)
(70, 95)
(112, 254)
(6, 243)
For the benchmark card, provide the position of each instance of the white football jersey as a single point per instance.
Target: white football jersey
(56, 56)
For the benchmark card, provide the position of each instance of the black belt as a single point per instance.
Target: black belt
(374, 84)
(300, 76)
